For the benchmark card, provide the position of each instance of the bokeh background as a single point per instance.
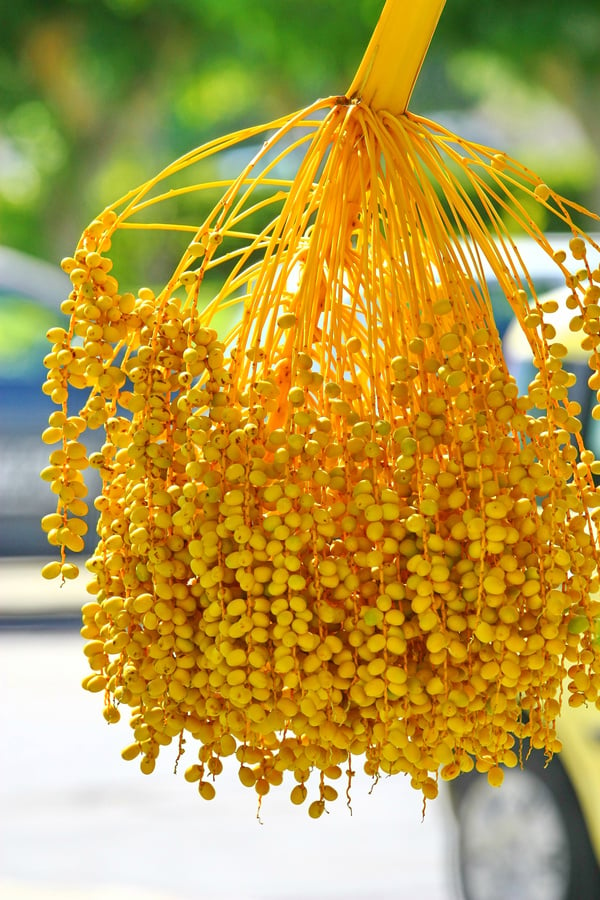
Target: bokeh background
(96, 96)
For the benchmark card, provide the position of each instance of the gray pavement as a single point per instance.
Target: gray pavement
(79, 823)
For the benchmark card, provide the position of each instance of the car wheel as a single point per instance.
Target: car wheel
(526, 840)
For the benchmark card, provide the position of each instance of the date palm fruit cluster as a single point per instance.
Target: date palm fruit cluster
(339, 532)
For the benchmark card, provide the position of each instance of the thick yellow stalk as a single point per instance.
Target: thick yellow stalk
(387, 74)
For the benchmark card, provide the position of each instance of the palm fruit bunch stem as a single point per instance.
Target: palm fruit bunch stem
(338, 533)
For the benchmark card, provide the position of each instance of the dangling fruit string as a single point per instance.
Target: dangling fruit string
(339, 531)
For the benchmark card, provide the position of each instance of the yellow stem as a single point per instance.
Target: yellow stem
(387, 74)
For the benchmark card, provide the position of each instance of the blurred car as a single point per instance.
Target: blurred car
(30, 296)
(31, 292)
(538, 836)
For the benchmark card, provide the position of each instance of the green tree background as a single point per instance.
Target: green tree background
(97, 95)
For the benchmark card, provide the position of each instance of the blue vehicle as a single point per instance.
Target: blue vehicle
(31, 292)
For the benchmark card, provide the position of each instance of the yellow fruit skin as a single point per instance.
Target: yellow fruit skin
(51, 570)
(339, 532)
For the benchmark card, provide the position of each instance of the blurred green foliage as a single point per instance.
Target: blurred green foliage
(97, 95)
